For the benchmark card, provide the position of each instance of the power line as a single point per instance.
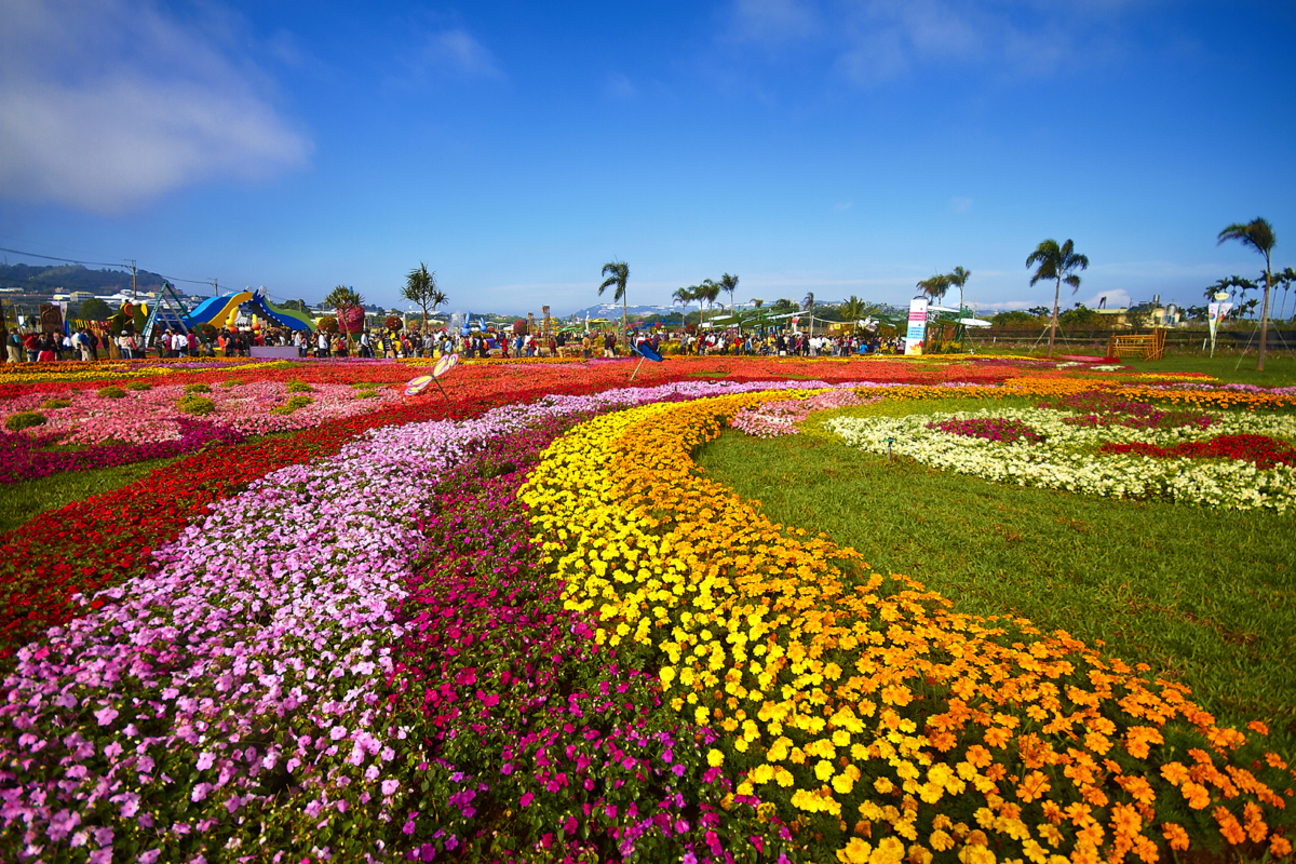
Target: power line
(121, 266)
(65, 260)
(193, 281)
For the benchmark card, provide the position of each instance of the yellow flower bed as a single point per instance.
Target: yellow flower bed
(879, 724)
(1054, 388)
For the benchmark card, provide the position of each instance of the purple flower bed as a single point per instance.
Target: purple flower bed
(22, 456)
(993, 429)
(245, 697)
(1100, 409)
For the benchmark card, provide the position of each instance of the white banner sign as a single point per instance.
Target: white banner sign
(917, 326)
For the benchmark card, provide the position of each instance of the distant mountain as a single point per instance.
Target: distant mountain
(608, 310)
(74, 277)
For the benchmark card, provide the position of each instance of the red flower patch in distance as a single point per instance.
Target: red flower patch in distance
(1260, 450)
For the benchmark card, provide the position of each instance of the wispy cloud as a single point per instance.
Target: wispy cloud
(618, 86)
(960, 205)
(843, 206)
(143, 105)
(456, 52)
(773, 21)
(875, 41)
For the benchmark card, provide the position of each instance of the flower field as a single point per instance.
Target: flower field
(517, 623)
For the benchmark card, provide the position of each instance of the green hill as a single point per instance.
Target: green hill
(74, 277)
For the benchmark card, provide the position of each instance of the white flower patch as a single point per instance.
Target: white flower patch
(1067, 458)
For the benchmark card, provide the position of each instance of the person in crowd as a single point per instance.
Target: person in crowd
(32, 346)
(14, 346)
(48, 351)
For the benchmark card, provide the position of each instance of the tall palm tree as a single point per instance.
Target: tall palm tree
(1259, 235)
(856, 310)
(343, 299)
(683, 296)
(730, 284)
(1286, 277)
(420, 283)
(1221, 286)
(620, 273)
(808, 303)
(1056, 262)
(438, 298)
(958, 279)
(935, 286)
(708, 292)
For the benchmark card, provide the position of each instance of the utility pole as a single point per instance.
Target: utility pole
(134, 293)
(215, 287)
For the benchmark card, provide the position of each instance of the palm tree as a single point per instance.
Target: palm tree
(620, 273)
(1056, 262)
(808, 303)
(1222, 286)
(1286, 277)
(1259, 235)
(707, 292)
(935, 286)
(730, 284)
(683, 296)
(438, 298)
(343, 299)
(856, 310)
(958, 279)
(420, 285)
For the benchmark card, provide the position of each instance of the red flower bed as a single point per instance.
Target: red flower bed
(1263, 451)
(89, 544)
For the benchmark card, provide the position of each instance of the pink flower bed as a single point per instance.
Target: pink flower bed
(152, 416)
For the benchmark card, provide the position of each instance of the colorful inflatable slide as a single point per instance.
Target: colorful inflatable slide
(220, 311)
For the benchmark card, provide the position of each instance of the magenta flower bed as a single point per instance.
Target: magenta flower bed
(539, 742)
(993, 429)
(22, 456)
(1100, 409)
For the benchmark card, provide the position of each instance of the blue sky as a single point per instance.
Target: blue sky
(835, 146)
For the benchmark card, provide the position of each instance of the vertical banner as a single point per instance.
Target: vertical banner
(1217, 311)
(917, 326)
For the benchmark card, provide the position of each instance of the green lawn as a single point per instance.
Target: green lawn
(26, 499)
(1280, 367)
(1207, 597)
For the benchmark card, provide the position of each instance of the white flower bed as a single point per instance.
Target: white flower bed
(1067, 458)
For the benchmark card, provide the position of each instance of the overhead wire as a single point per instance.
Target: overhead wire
(120, 265)
(65, 260)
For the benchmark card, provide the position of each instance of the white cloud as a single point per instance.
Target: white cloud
(773, 21)
(843, 206)
(456, 51)
(886, 38)
(960, 205)
(876, 41)
(618, 86)
(1116, 299)
(106, 105)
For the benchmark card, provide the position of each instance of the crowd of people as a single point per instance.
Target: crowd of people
(784, 343)
(84, 344)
